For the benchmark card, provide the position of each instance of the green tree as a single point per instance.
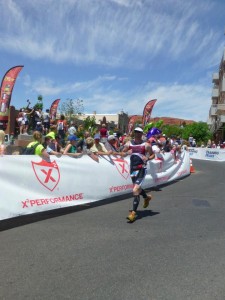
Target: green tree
(199, 131)
(89, 124)
(71, 108)
(150, 125)
(170, 130)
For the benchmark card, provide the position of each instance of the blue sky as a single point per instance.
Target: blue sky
(115, 54)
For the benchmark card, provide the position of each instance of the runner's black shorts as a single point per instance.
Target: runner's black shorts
(138, 176)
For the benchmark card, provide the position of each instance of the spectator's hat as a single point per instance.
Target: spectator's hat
(138, 129)
(97, 136)
(73, 138)
(111, 137)
(51, 135)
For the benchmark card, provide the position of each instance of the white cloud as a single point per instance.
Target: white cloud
(86, 32)
(176, 100)
(126, 38)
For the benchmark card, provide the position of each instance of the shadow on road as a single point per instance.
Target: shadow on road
(146, 213)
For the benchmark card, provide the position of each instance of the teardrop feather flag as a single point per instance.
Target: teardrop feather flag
(53, 109)
(131, 123)
(148, 111)
(7, 86)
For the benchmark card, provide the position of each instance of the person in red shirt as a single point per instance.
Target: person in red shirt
(103, 133)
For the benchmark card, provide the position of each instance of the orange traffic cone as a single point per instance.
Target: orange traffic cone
(192, 169)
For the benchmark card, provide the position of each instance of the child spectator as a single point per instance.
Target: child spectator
(71, 148)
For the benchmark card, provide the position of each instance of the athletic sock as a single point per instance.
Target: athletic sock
(136, 202)
(142, 193)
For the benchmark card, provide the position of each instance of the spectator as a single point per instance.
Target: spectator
(39, 127)
(49, 145)
(72, 129)
(19, 120)
(213, 144)
(167, 147)
(58, 146)
(71, 148)
(172, 140)
(103, 133)
(126, 139)
(194, 143)
(39, 150)
(209, 144)
(222, 145)
(46, 121)
(37, 119)
(90, 143)
(1, 125)
(121, 138)
(176, 151)
(25, 120)
(117, 133)
(98, 147)
(179, 141)
(61, 129)
(163, 139)
(111, 144)
(190, 140)
(82, 142)
(2, 141)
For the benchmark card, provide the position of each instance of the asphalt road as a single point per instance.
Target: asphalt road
(174, 251)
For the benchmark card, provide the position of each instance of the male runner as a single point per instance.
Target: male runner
(140, 152)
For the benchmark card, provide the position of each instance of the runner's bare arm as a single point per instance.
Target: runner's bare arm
(149, 153)
(126, 148)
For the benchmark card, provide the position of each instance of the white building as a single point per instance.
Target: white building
(112, 121)
(216, 120)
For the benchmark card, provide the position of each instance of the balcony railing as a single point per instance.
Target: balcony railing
(222, 119)
(215, 77)
(209, 121)
(220, 110)
(215, 93)
(213, 110)
(223, 84)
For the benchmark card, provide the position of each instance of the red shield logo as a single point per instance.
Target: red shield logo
(47, 173)
(122, 167)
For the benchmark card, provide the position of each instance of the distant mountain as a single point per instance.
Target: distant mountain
(172, 121)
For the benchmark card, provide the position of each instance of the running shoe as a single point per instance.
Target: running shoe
(146, 201)
(132, 216)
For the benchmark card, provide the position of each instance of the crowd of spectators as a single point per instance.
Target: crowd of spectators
(210, 143)
(61, 138)
(33, 118)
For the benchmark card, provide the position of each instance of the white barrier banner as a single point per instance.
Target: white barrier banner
(207, 154)
(30, 185)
